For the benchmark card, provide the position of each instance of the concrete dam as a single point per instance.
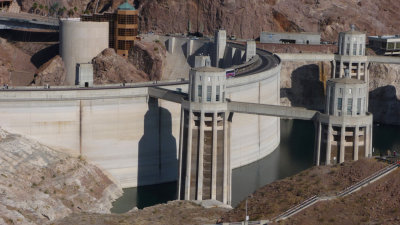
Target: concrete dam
(132, 135)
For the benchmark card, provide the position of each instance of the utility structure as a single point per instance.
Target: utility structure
(220, 46)
(344, 132)
(351, 55)
(204, 155)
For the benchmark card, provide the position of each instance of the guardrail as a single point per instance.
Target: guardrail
(95, 87)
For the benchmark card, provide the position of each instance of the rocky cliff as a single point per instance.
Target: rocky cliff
(384, 97)
(39, 184)
(15, 65)
(109, 67)
(247, 19)
(244, 18)
(301, 85)
(148, 57)
(51, 73)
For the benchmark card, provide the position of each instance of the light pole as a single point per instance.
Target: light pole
(247, 217)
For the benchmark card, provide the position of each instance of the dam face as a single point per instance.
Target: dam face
(131, 136)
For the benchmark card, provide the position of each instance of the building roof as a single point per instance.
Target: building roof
(353, 30)
(385, 37)
(126, 6)
(292, 33)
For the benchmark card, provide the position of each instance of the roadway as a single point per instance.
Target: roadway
(268, 60)
(27, 21)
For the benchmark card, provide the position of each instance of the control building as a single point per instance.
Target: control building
(344, 132)
(307, 38)
(385, 45)
(204, 157)
(123, 27)
(351, 56)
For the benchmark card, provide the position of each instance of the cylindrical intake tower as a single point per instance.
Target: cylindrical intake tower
(204, 160)
(344, 132)
(351, 55)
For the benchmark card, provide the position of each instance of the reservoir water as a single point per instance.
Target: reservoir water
(294, 154)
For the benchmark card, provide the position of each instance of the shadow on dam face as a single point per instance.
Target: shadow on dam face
(306, 90)
(157, 158)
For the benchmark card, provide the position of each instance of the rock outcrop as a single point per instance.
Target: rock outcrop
(148, 57)
(301, 85)
(109, 68)
(15, 65)
(39, 184)
(52, 73)
(384, 97)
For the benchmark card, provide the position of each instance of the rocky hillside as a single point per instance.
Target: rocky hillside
(52, 73)
(384, 97)
(244, 18)
(109, 68)
(39, 185)
(15, 65)
(149, 57)
(277, 197)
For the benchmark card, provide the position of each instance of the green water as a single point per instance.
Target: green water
(294, 154)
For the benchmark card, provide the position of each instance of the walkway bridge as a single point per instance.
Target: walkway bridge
(241, 107)
(27, 21)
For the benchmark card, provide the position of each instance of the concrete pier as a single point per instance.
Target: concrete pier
(205, 171)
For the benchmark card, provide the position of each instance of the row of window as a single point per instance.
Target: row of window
(209, 93)
(124, 45)
(360, 49)
(350, 91)
(127, 19)
(127, 32)
(350, 105)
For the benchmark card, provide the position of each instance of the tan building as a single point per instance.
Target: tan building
(123, 27)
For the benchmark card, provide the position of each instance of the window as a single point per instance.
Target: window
(127, 19)
(127, 32)
(348, 49)
(217, 94)
(349, 106)
(354, 49)
(358, 106)
(124, 45)
(200, 92)
(209, 88)
(390, 45)
(339, 104)
(361, 48)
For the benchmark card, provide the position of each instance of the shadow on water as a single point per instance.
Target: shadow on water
(157, 162)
